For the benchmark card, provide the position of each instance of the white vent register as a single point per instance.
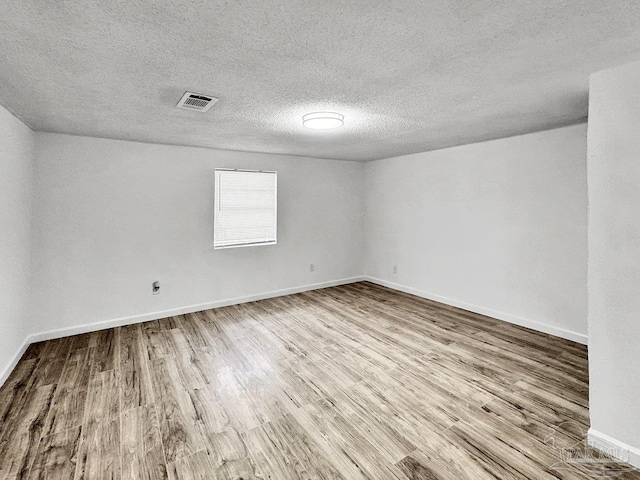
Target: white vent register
(245, 208)
(196, 101)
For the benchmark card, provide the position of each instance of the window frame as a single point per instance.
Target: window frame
(216, 204)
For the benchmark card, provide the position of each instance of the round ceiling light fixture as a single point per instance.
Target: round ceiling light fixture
(323, 120)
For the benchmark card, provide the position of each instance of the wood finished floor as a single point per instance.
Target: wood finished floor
(350, 382)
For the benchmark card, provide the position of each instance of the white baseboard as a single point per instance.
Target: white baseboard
(614, 448)
(118, 322)
(4, 375)
(523, 322)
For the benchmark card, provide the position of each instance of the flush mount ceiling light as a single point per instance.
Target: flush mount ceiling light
(323, 120)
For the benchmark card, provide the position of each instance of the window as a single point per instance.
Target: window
(245, 208)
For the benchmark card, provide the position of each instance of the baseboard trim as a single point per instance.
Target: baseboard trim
(145, 317)
(523, 322)
(614, 448)
(118, 322)
(14, 361)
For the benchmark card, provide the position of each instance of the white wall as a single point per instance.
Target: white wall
(16, 193)
(497, 227)
(113, 216)
(614, 256)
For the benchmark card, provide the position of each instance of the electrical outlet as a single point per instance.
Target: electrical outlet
(155, 288)
(394, 269)
(312, 267)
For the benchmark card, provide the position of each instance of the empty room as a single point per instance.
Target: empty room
(338, 240)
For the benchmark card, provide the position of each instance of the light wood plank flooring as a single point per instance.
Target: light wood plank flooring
(350, 382)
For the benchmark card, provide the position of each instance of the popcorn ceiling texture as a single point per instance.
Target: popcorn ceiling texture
(408, 75)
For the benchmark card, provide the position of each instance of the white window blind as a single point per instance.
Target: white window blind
(245, 208)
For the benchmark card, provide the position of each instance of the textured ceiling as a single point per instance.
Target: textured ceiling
(408, 75)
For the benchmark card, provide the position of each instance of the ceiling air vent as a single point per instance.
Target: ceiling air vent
(196, 101)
